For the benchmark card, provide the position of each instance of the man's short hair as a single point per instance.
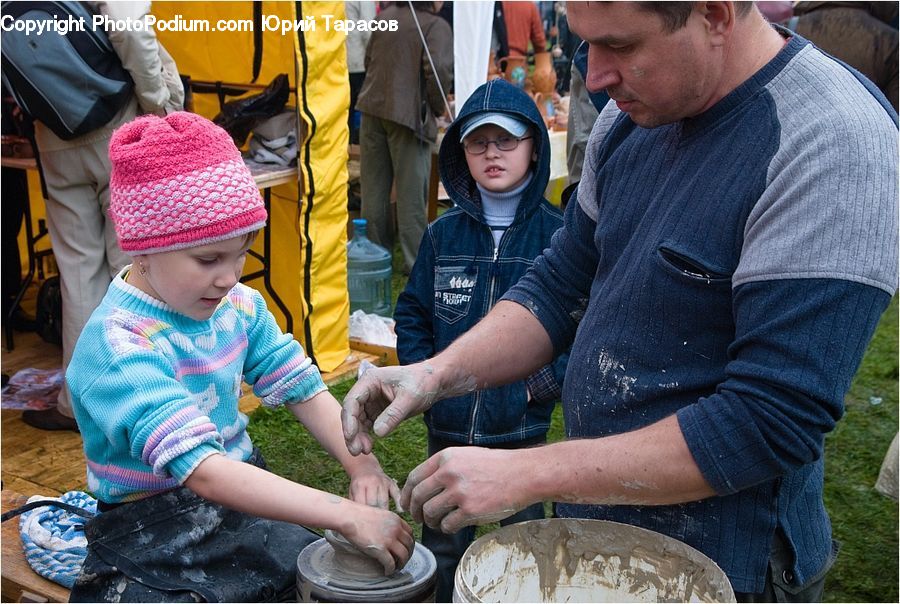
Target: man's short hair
(675, 15)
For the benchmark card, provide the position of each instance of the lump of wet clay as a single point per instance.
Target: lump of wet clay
(350, 560)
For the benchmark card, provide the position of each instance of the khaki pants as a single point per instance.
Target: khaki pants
(392, 154)
(83, 237)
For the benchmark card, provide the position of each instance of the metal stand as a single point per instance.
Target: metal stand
(266, 272)
(35, 258)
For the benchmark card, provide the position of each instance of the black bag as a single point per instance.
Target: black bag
(49, 311)
(238, 117)
(72, 83)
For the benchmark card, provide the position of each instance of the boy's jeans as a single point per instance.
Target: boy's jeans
(448, 549)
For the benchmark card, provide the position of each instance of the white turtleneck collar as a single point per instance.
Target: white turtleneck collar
(499, 208)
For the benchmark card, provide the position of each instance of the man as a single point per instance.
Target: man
(356, 58)
(731, 246)
(400, 99)
(523, 25)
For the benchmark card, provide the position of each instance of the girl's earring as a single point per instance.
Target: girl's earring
(141, 268)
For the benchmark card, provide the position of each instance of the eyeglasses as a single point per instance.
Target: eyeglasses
(503, 143)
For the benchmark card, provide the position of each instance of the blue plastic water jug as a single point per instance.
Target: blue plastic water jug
(368, 273)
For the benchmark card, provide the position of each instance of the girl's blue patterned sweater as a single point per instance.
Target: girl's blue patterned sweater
(156, 392)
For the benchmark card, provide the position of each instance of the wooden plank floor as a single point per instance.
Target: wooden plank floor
(38, 462)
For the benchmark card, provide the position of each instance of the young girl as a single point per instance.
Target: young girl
(187, 509)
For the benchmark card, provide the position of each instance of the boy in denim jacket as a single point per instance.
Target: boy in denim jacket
(495, 165)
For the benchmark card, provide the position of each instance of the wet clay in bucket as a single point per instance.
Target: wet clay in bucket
(573, 560)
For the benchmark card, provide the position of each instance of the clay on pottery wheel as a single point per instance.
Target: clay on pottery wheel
(351, 560)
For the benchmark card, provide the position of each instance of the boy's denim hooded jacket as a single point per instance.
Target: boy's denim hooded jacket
(456, 280)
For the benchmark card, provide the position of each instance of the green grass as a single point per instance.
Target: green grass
(865, 522)
(294, 454)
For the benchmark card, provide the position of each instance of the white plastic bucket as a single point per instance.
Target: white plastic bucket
(572, 560)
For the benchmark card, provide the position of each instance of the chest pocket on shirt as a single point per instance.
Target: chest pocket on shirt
(685, 267)
(454, 287)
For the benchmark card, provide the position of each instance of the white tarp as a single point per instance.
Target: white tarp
(472, 24)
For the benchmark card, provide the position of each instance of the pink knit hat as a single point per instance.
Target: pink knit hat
(179, 182)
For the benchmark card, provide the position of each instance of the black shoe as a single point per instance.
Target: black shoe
(51, 419)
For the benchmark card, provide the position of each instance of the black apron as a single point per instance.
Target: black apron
(178, 547)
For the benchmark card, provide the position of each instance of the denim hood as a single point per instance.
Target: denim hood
(459, 275)
(496, 95)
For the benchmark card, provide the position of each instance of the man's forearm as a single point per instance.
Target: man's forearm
(649, 466)
(509, 344)
(458, 486)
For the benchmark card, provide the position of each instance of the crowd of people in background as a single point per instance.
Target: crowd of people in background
(862, 34)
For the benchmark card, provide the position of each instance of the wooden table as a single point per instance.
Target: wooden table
(19, 163)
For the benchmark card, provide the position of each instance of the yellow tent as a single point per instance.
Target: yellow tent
(307, 258)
